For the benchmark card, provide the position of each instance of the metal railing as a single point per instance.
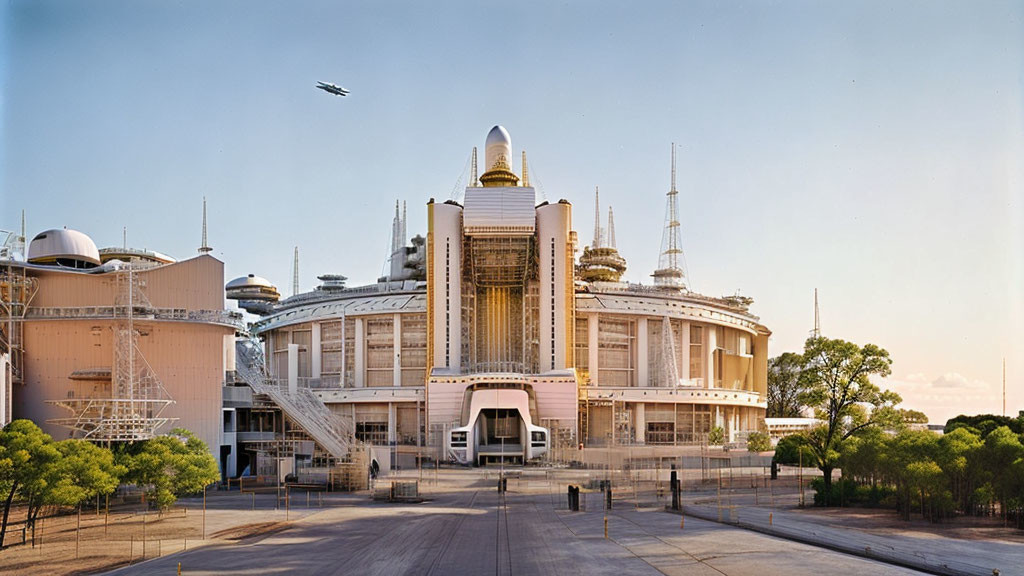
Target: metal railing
(224, 317)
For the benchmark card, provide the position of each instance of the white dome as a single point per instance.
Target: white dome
(249, 281)
(498, 149)
(54, 246)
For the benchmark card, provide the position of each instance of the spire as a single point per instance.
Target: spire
(497, 152)
(611, 229)
(597, 218)
(295, 273)
(205, 247)
(526, 171)
(396, 229)
(669, 273)
(473, 180)
(817, 320)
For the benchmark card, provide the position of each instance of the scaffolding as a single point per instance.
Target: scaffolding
(131, 407)
(16, 292)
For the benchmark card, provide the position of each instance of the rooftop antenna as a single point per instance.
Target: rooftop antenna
(816, 333)
(611, 228)
(295, 273)
(473, 180)
(526, 172)
(669, 274)
(205, 247)
(597, 218)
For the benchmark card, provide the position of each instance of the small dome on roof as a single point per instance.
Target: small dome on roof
(64, 247)
(250, 280)
(251, 288)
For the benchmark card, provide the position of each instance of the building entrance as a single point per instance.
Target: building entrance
(500, 436)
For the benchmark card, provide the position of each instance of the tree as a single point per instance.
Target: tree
(170, 466)
(27, 460)
(759, 442)
(793, 450)
(784, 385)
(913, 416)
(836, 382)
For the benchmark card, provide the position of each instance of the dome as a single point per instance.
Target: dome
(251, 288)
(249, 281)
(64, 247)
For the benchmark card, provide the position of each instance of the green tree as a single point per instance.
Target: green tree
(27, 461)
(716, 437)
(1001, 449)
(958, 450)
(759, 442)
(784, 385)
(170, 466)
(836, 380)
(789, 449)
(913, 416)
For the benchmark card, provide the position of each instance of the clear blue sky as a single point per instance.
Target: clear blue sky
(870, 149)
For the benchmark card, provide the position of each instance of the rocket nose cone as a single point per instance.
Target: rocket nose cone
(498, 135)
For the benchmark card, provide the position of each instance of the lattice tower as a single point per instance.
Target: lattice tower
(669, 273)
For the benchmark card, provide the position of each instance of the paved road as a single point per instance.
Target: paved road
(473, 532)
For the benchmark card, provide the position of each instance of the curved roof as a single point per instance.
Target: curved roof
(63, 244)
(250, 281)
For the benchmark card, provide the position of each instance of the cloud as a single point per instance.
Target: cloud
(916, 377)
(955, 380)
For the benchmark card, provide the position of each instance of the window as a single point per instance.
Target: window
(696, 351)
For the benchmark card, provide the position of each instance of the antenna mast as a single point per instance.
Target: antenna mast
(295, 273)
(597, 218)
(611, 228)
(473, 180)
(669, 274)
(205, 247)
(816, 333)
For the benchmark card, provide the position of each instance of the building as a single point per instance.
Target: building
(117, 344)
(489, 341)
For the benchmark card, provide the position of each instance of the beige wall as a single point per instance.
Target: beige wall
(194, 284)
(187, 358)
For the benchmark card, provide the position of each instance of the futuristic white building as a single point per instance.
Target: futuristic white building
(488, 341)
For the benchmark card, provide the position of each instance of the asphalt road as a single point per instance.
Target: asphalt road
(473, 531)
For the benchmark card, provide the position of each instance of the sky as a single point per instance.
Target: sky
(871, 150)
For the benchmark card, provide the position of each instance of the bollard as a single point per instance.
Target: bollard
(682, 521)
(673, 479)
(179, 568)
(770, 519)
(606, 527)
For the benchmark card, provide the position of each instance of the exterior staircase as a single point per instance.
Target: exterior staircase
(332, 432)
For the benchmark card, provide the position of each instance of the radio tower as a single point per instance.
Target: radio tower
(295, 273)
(204, 248)
(816, 333)
(669, 274)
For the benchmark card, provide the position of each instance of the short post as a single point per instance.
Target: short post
(606, 527)
(179, 568)
(78, 531)
(106, 514)
(674, 481)
(682, 521)
(770, 519)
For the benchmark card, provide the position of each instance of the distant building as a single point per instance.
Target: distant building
(489, 340)
(118, 344)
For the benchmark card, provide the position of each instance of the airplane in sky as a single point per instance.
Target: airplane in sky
(332, 88)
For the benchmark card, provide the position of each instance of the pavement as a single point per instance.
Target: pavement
(467, 528)
(925, 551)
